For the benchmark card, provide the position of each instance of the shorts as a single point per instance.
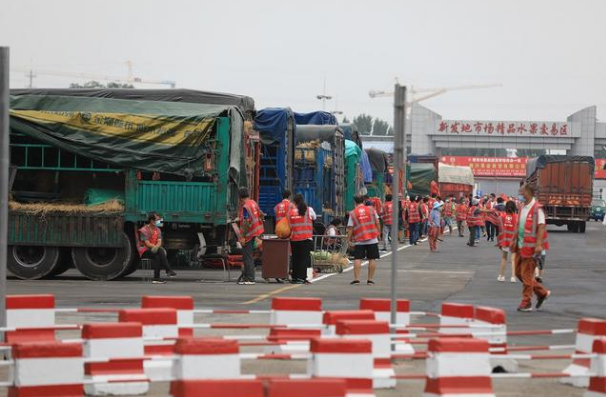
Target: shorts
(447, 221)
(367, 251)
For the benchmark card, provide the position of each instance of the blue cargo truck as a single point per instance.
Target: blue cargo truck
(320, 170)
(276, 128)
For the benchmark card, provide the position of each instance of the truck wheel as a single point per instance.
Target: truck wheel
(104, 263)
(32, 262)
(569, 227)
(582, 227)
(64, 264)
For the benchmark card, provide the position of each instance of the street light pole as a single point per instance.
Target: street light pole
(4, 177)
(399, 123)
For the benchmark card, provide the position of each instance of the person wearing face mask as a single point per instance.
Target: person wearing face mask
(528, 245)
(150, 247)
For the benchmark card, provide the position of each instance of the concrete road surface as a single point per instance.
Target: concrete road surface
(575, 273)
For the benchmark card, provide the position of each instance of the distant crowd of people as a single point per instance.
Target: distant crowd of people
(516, 225)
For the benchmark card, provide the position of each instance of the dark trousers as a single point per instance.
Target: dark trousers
(414, 232)
(473, 233)
(490, 230)
(248, 270)
(301, 258)
(159, 261)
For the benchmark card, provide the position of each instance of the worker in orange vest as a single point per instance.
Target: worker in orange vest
(387, 220)
(414, 220)
(461, 216)
(251, 227)
(363, 233)
(491, 221)
(424, 208)
(474, 221)
(508, 220)
(281, 209)
(301, 218)
(449, 211)
(531, 240)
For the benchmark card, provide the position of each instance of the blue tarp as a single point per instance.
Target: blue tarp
(366, 168)
(271, 123)
(318, 118)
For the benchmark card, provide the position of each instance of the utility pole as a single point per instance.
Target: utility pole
(4, 177)
(324, 97)
(31, 77)
(399, 123)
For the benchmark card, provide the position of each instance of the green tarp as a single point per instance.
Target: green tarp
(421, 175)
(171, 137)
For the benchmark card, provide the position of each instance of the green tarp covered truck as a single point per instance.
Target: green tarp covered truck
(175, 152)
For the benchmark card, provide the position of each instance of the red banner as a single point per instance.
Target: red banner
(504, 167)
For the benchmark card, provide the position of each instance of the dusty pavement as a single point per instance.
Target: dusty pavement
(576, 274)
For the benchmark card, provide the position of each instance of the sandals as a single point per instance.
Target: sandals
(355, 282)
(370, 282)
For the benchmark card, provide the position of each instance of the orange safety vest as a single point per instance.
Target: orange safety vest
(413, 213)
(530, 233)
(255, 220)
(493, 216)
(472, 218)
(388, 213)
(425, 210)
(376, 202)
(281, 209)
(364, 223)
(448, 210)
(461, 212)
(150, 235)
(301, 227)
(507, 229)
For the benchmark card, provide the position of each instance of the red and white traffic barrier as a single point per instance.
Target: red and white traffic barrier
(458, 367)
(597, 384)
(589, 330)
(184, 305)
(331, 318)
(160, 324)
(377, 332)
(121, 345)
(306, 388)
(47, 369)
(382, 309)
(30, 311)
(206, 358)
(455, 314)
(294, 311)
(495, 332)
(350, 359)
(291, 341)
(217, 388)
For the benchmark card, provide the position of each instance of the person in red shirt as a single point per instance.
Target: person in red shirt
(363, 234)
(301, 218)
(508, 220)
(424, 207)
(281, 209)
(387, 217)
(150, 247)
(251, 227)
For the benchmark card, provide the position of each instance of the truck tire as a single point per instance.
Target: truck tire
(65, 263)
(582, 226)
(569, 227)
(32, 262)
(104, 263)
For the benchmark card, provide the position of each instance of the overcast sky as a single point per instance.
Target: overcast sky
(549, 55)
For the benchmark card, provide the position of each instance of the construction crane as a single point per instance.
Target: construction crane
(430, 92)
(130, 78)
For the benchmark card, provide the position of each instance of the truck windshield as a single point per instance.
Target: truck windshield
(598, 203)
